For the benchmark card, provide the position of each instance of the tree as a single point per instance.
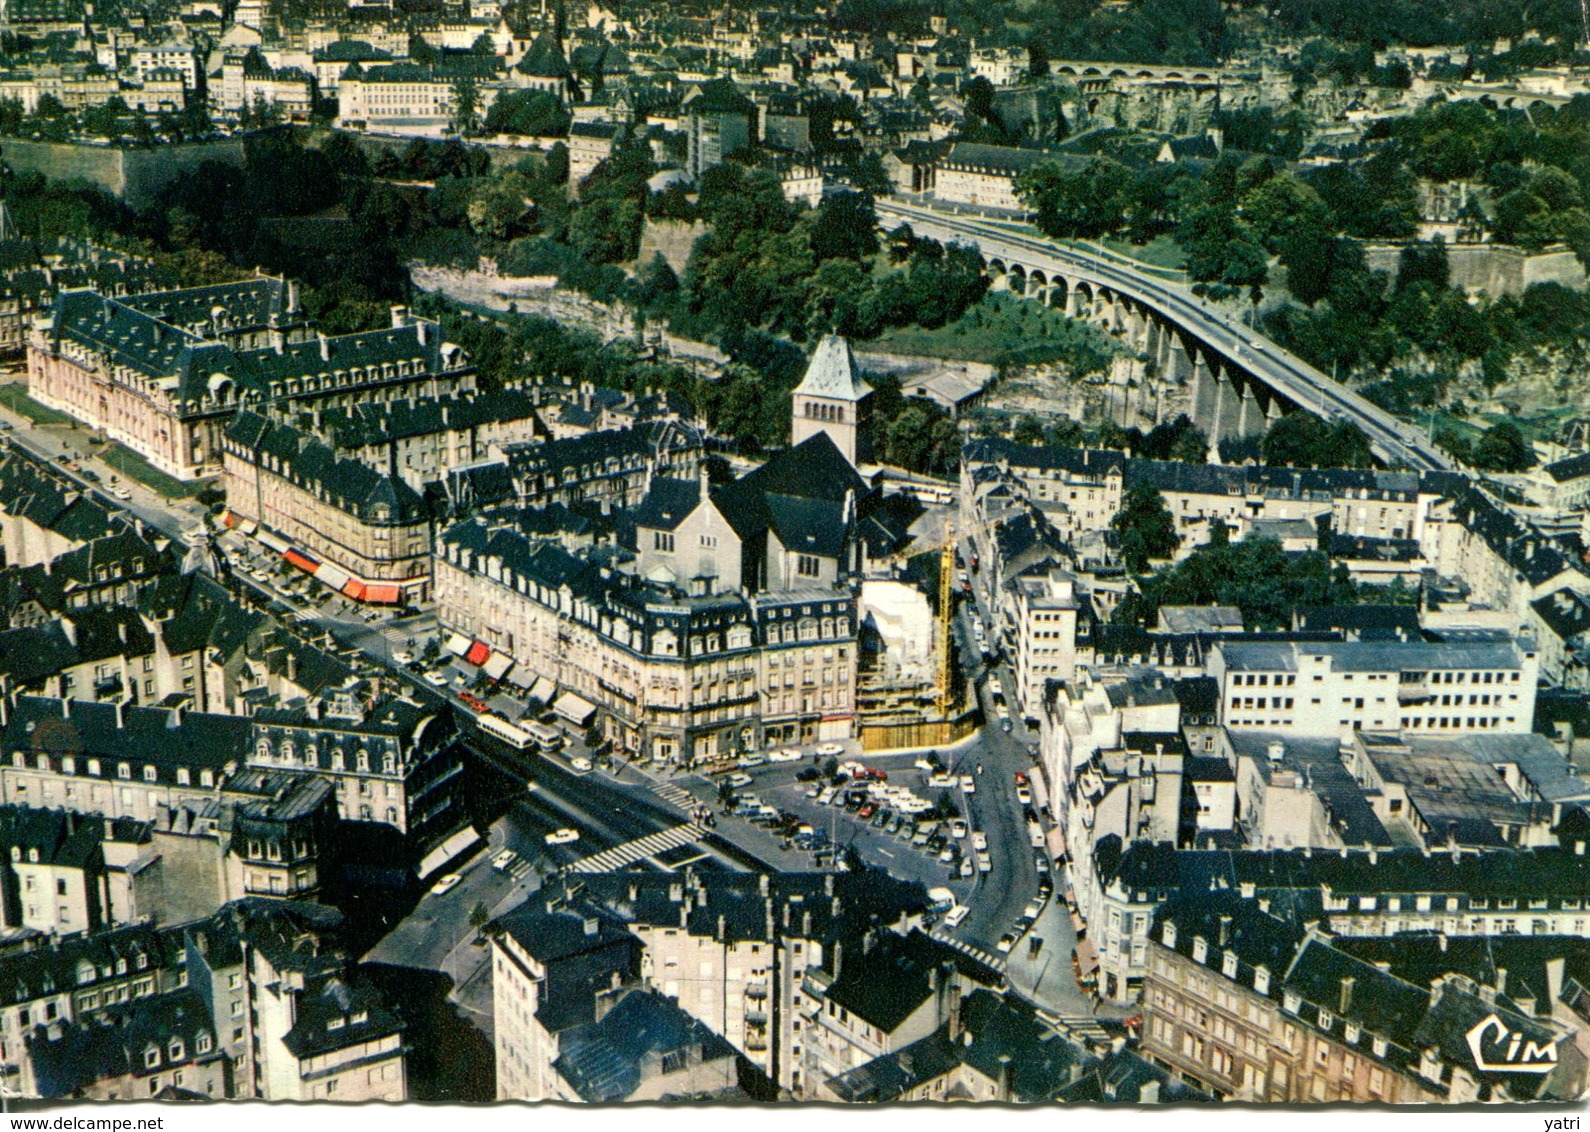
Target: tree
(421, 52)
(845, 225)
(1037, 59)
(1503, 448)
(534, 113)
(479, 915)
(466, 106)
(1302, 440)
(1144, 527)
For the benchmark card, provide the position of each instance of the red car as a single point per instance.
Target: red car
(1021, 779)
(867, 774)
(474, 702)
(866, 811)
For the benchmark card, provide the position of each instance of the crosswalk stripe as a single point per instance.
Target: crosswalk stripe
(641, 848)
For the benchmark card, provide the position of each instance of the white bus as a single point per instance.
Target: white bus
(499, 727)
(521, 735)
(546, 738)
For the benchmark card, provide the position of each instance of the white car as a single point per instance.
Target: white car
(958, 828)
(403, 656)
(580, 763)
(923, 764)
(942, 781)
(563, 837)
(787, 755)
(738, 780)
(502, 860)
(446, 884)
(438, 679)
(830, 750)
(955, 915)
(979, 841)
(1024, 796)
(121, 493)
(968, 785)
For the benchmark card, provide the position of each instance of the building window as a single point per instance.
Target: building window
(663, 541)
(808, 565)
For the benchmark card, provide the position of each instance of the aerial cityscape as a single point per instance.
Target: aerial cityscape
(843, 551)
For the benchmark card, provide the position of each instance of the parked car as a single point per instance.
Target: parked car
(446, 884)
(968, 786)
(439, 679)
(563, 836)
(581, 764)
(787, 755)
(737, 780)
(955, 915)
(958, 828)
(746, 762)
(403, 656)
(830, 750)
(1006, 942)
(474, 702)
(1024, 795)
(502, 860)
(979, 841)
(866, 811)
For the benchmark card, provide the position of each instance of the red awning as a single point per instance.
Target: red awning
(230, 520)
(354, 589)
(302, 561)
(384, 595)
(478, 652)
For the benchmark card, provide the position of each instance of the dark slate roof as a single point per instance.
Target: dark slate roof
(1572, 468)
(609, 1059)
(111, 1043)
(885, 985)
(732, 906)
(1367, 622)
(247, 303)
(544, 59)
(28, 656)
(380, 422)
(668, 503)
(346, 484)
(84, 959)
(717, 96)
(154, 737)
(1002, 158)
(549, 934)
(348, 1003)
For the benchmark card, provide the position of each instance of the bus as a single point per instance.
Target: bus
(547, 739)
(521, 735)
(500, 728)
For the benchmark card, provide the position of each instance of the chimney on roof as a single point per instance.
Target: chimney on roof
(66, 707)
(1225, 930)
(400, 317)
(839, 958)
(591, 925)
(1344, 1000)
(121, 714)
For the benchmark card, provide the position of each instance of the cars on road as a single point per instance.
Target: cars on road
(738, 779)
(403, 656)
(446, 884)
(563, 837)
(830, 750)
(437, 679)
(787, 755)
(502, 860)
(968, 786)
(958, 828)
(580, 763)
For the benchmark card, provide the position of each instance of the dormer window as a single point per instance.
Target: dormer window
(149, 774)
(1292, 1002)
(1261, 980)
(203, 1043)
(1200, 951)
(206, 778)
(1228, 965)
(123, 771)
(33, 856)
(1168, 935)
(1379, 1045)
(175, 1051)
(358, 1016)
(1326, 1020)
(152, 1058)
(335, 1023)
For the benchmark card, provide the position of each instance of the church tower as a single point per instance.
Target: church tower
(832, 399)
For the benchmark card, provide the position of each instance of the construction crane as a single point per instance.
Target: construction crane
(946, 617)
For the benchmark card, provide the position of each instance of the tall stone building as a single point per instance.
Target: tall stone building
(832, 398)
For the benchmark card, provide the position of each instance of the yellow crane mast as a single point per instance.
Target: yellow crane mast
(946, 617)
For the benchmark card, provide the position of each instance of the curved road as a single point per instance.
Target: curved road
(1249, 351)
